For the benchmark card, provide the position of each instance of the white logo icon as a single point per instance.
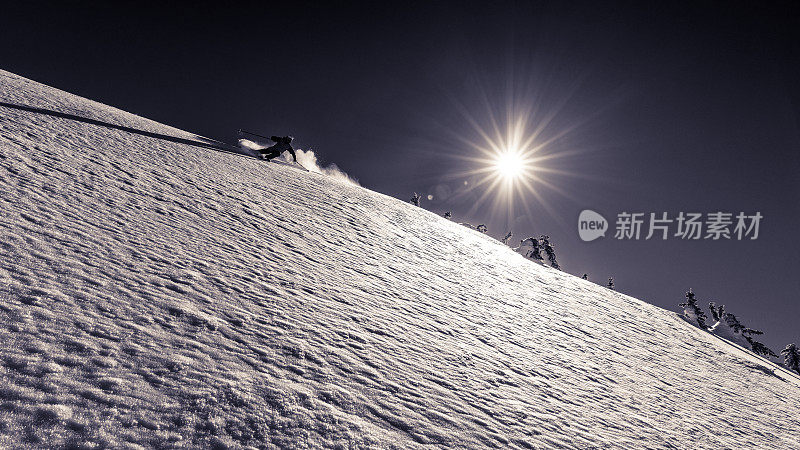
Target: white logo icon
(591, 225)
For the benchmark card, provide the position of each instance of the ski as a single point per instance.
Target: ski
(293, 165)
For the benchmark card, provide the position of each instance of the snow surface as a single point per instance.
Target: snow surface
(157, 294)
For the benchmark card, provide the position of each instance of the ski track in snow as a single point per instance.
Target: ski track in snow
(155, 294)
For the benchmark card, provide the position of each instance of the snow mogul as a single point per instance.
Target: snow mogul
(282, 144)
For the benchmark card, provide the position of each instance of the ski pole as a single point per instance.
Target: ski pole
(253, 134)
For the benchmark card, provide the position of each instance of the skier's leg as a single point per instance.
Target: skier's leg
(270, 154)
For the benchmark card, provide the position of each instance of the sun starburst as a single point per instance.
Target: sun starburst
(512, 145)
(511, 164)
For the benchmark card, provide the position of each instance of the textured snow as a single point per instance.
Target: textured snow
(157, 294)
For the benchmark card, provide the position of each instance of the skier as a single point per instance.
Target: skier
(282, 144)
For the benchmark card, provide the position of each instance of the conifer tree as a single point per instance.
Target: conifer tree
(549, 249)
(759, 348)
(530, 248)
(507, 237)
(448, 215)
(415, 199)
(610, 284)
(482, 228)
(716, 311)
(551, 256)
(738, 328)
(585, 276)
(791, 357)
(733, 323)
(693, 312)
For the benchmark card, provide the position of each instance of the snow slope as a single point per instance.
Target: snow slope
(158, 294)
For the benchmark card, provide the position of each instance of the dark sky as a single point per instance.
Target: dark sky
(689, 107)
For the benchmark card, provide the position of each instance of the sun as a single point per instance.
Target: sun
(510, 164)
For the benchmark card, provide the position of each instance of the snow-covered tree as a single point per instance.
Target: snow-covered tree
(482, 228)
(716, 311)
(730, 328)
(692, 312)
(506, 238)
(530, 248)
(585, 276)
(448, 215)
(791, 357)
(549, 249)
(415, 199)
(760, 349)
(551, 256)
(610, 284)
(737, 326)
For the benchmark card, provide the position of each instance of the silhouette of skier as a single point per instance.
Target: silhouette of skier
(282, 144)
